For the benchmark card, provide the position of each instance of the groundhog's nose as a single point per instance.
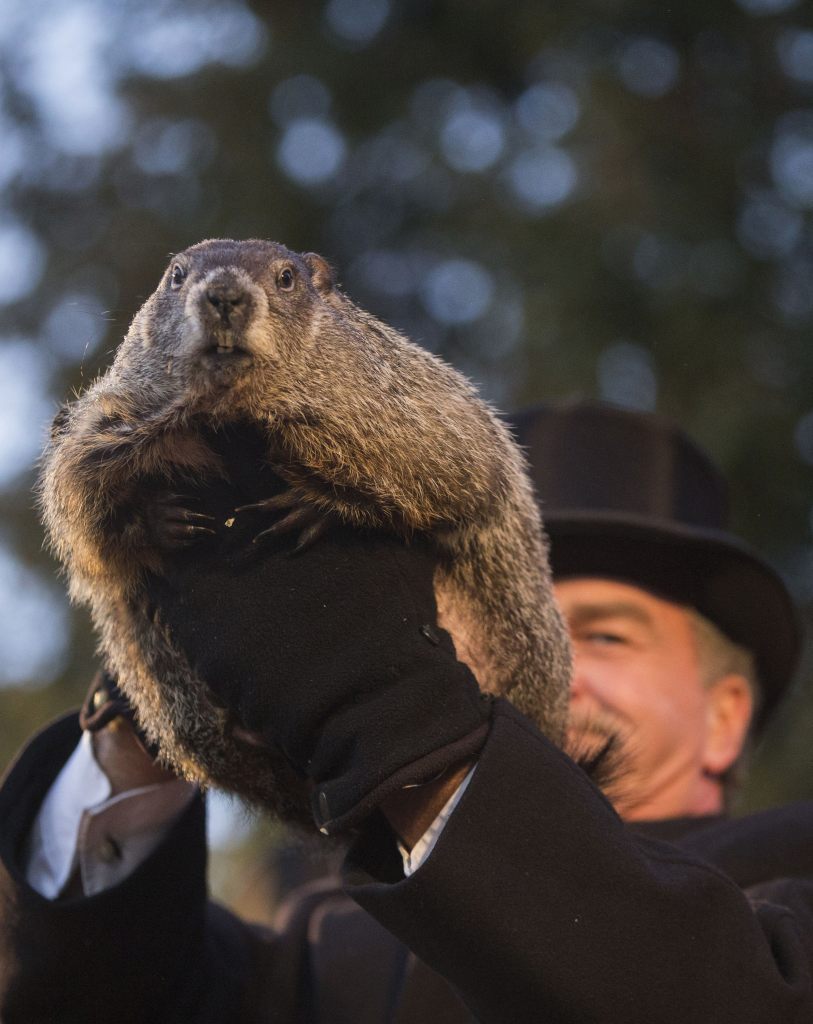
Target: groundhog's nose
(225, 298)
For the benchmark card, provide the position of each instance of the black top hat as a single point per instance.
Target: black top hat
(627, 496)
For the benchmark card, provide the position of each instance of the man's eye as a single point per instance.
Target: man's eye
(607, 639)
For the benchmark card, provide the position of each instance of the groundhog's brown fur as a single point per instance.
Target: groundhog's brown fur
(360, 421)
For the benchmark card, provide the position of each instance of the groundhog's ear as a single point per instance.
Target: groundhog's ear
(321, 272)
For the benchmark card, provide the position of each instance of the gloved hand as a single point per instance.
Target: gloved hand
(332, 655)
(120, 747)
(104, 702)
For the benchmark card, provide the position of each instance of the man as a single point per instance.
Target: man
(531, 898)
(636, 516)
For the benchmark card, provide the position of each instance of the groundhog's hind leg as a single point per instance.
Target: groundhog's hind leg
(506, 624)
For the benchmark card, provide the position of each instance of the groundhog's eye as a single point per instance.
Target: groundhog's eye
(285, 280)
(177, 276)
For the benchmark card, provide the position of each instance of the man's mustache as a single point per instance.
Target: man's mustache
(595, 722)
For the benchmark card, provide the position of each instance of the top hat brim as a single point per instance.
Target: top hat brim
(706, 569)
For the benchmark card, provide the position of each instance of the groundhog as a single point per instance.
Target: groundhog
(247, 344)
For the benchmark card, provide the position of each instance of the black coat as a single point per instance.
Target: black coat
(537, 904)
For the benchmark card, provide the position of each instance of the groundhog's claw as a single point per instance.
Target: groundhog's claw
(303, 516)
(313, 533)
(287, 499)
(172, 526)
(309, 520)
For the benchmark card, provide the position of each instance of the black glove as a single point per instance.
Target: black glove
(333, 655)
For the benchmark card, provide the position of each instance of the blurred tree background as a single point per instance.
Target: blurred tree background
(601, 199)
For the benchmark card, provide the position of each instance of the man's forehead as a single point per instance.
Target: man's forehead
(585, 598)
(581, 612)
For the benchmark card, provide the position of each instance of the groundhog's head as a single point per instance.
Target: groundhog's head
(224, 309)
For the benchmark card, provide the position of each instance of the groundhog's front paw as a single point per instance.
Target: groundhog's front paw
(171, 525)
(302, 515)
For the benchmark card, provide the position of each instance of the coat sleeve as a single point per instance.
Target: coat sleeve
(539, 904)
(151, 949)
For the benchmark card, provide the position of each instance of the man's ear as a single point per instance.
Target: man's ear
(321, 273)
(730, 705)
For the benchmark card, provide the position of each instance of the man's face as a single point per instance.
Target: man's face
(637, 676)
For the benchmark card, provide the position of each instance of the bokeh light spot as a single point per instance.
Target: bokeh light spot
(548, 110)
(163, 146)
(660, 263)
(63, 65)
(472, 140)
(357, 21)
(311, 151)
(496, 335)
(542, 179)
(792, 165)
(75, 326)
(626, 376)
(648, 67)
(767, 228)
(795, 49)
(457, 291)
(761, 7)
(33, 625)
(387, 271)
(25, 408)
(22, 261)
(13, 152)
(171, 45)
